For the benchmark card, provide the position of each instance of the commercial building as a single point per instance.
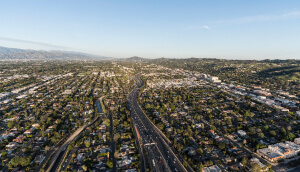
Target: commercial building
(281, 150)
(214, 79)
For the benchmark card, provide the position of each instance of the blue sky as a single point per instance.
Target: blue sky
(231, 29)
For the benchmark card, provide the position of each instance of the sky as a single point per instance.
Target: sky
(229, 29)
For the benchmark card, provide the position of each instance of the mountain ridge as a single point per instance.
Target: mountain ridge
(15, 53)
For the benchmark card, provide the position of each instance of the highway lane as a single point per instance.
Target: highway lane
(140, 147)
(148, 143)
(161, 155)
(150, 135)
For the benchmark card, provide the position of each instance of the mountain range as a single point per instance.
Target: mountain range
(15, 53)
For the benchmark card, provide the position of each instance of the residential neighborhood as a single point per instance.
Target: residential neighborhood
(142, 116)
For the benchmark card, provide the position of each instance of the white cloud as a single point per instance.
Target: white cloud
(206, 27)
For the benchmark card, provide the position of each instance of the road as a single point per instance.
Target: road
(112, 144)
(55, 161)
(69, 157)
(161, 156)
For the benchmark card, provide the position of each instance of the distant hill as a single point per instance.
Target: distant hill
(14, 53)
(136, 59)
(4, 50)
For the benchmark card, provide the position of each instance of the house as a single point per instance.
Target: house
(12, 145)
(19, 139)
(35, 125)
(6, 135)
(198, 125)
(191, 151)
(213, 168)
(39, 159)
(28, 131)
(80, 156)
(215, 79)
(211, 132)
(242, 133)
(255, 160)
(174, 115)
(49, 130)
(297, 141)
(102, 128)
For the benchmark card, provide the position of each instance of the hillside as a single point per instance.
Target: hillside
(13, 53)
(4, 50)
(136, 59)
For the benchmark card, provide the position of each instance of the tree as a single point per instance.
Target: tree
(148, 106)
(290, 136)
(15, 161)
(84, 167)
(87, 144)
(116, 136)
(261, 135)
(173, 107)
(199, 151)
(10, 124)
(3, 154)
(255, 168)
(244, 161)
(161, 126)
(73, 155)
(25, 161)
(20, 161)
(109, 164)
(106, 122)
(200, 167)
(283, 130)
(222, 145)
(266, 127)
(116, 122)
(273, 133)
(252, 130)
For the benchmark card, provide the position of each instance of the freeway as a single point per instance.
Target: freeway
(161, 156)
(155, 157)
(141, 151)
